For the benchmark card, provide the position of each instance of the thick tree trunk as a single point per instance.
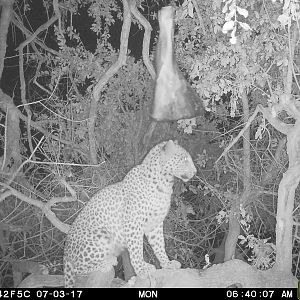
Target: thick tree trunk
(285, 206)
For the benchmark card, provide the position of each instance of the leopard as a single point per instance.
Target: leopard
(119, 215)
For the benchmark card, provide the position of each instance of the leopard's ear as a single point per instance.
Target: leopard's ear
(169, 147)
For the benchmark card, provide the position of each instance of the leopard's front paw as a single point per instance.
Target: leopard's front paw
(171, 264)
(145, 269)
(132, 281)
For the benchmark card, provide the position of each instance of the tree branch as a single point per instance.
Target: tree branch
(32, 36)
(292, 39)
(146, 39)
(12, 153)
(45, 207)
(274, 121)
(5, 104)
(22, 77)
(15, 20)
(23, 97)
(21, 166)
(105, 78)
(246, 144)
(4, 24)
(274, 167)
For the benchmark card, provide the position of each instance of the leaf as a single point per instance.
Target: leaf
(283, 19)
(217, 28)
(189, 209)
(242, 11)
(286, 4)
(242, 222)
(191, 9)
(285, 62)
(206, 93)
(228, 26)
(184, 14)
(185, 3)
(230, 15)
(258, 134)
(225, 8)
(241, 237)
(206, 192)
(193, 189)
(245, 26)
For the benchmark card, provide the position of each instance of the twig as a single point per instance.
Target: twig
(6, 102)
(58, 15)
(5, 140)
(22, 164)
(22, 78)
(35, 79)
(274, 121)
(246, 145)
(32, 36)
(199, 16)
(64, 163)
(250, 120)
(15, 20)
(68, 187)
(23, 96)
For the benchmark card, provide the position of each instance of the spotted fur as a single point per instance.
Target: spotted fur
(119, 215)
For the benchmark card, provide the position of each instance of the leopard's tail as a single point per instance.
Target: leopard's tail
(69, 274)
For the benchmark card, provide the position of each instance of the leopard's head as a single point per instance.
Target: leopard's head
(176, 161)
(170, 159)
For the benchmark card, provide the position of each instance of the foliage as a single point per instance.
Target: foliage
(263, 253)
(224, 48)
(252, 62)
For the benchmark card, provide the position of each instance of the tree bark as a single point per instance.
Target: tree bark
(6, 13)
(234, 217)
(285, 206)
